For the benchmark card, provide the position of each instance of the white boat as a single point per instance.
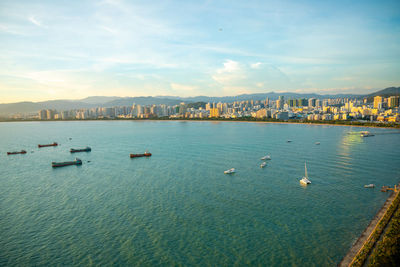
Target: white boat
(263, 164)
(267, 157)
(369, 186)
(317, 143)
(305, 180)
(230, 171)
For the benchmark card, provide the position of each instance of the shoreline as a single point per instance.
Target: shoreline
(218, 120)
(350, 257)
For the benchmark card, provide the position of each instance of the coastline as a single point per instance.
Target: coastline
(361, 244)
(395, 126)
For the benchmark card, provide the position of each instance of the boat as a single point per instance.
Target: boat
(66, 163)
(145, 154)
(317, 143)
(305, 180)
(267, 157)
(289, 141)
(86, 149)
(16, 152)
(263, 164)
(230, 171)
(53, 144)
(369, 186)
(366, 134)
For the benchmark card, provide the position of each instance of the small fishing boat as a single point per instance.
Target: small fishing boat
(369, 186)
(145, 154)
(230, 171)
(66, 163)
(263, 164)
(53, 144)
(305, 180)
(16, 152)
(267, 157)
(317, 143)
(86, 149)
(289, 141)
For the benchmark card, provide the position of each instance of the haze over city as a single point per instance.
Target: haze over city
(71, 50)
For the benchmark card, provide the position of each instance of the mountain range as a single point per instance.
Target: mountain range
(111, 101)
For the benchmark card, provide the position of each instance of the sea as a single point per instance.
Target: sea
(177, 207)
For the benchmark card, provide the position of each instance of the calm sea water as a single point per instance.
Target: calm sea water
(178, 207)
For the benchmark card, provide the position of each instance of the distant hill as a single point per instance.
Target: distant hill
(263, 96)
(99, 99)
(390, 91)
(111, 101)
(21, 107)
(149, 100)
(90, 102)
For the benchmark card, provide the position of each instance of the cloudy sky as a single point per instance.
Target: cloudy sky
(73, 49)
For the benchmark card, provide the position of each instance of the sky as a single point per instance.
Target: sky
(74, 49)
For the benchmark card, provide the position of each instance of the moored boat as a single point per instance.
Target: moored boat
(267, 157)
(53, 144)
(317, 143)
(145, 154)
(366, 134)
(16, 152)
(230, 171)
(86, 149)
(66, 163)
(369, 186)
(263, 164)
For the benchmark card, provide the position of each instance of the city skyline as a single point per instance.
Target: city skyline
(120, 48)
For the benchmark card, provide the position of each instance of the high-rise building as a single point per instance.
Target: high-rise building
(50, 114)
(42, 114)
(377, 101)
(292, 103)
(302, 102)
(312, 102)
(280, 102)
(393, 101)
(214, 113)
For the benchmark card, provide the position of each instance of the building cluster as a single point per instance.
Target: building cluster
(381, 109)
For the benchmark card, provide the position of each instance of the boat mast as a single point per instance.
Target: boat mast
(305, 168)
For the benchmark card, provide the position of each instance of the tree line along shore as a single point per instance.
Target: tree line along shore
(244, 119)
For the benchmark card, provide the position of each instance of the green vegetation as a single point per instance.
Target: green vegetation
(387, 251)
(369, 244)
(196, 105)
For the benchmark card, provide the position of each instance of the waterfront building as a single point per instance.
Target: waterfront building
(262, 113)
(214, 113)
(42, 114)
(284, 115)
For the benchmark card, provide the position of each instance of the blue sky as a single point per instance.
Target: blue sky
(74, 49)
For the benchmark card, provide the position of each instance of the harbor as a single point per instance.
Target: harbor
(182, 193)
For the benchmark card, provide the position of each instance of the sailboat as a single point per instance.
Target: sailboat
(305, 180)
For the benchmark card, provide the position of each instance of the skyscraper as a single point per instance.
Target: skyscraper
(377, 101)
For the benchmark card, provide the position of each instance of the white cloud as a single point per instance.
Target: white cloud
(35, 21)
(230, 66)
(256, 65)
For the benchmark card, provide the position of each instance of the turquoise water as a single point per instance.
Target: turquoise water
(178, 207)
